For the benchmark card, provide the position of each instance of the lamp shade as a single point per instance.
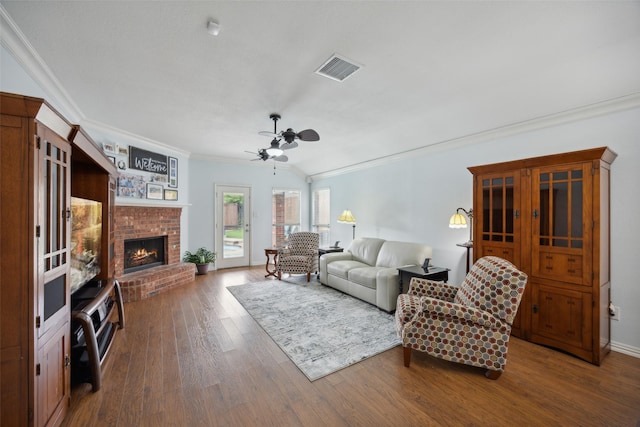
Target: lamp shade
(457, 221)
(346, 217)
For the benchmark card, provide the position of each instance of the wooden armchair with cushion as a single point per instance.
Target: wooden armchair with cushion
(470, 324)
(300, 256)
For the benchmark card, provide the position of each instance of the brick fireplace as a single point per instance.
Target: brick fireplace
(141, 222)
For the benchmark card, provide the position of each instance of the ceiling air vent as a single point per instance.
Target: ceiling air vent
(338, 68)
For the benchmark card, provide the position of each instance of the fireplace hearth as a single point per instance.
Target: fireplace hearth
(144, 253)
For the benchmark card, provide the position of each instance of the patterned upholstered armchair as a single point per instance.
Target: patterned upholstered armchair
(470, 324)
(300, 256)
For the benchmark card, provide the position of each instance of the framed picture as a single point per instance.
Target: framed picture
(170, 194)
(158, 178)
(122, 165)
(108, 147)
(173, 172)
(154, 191)
(122, 150)
(131, 186)
(113, 159)
(147, 161)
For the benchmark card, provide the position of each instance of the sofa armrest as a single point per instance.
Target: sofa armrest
(429, 288)
(387, 288)
(456, 313)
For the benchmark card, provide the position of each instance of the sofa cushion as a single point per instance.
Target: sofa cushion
(365, 249)
(398, 254)
(365, 276)
(341, 268)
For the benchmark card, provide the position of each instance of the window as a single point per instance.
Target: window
(285, 213)
(320, 215)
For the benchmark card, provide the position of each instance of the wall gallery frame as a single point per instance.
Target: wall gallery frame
(173, 172)
(170, 194)
(108, 148)
(154, 191)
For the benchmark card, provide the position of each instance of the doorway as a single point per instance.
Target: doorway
(233, 231)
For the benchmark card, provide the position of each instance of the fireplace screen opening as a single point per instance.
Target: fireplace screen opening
(140, 254)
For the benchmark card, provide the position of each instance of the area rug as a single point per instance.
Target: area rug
(320, 329)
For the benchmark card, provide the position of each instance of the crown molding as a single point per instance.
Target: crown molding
(110, 131)
(602, 108)
(24, 53)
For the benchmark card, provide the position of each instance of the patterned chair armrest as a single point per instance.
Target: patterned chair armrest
(284, 252)
(429, 288)
(310, 252)
(457, 313)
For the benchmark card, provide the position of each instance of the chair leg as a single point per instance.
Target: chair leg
(279, 275)
(308, 277)
(407, 356)
(492, 375)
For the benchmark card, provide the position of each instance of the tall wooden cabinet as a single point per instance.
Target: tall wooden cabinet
(35, 187)
(550, 217)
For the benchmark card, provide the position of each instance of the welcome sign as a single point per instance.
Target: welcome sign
(147, 161)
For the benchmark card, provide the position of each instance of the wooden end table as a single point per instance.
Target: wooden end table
(269, 253)
(438, 274)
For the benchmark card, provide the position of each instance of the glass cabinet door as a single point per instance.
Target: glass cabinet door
(54, 224)
(559, 225)
(498, 216)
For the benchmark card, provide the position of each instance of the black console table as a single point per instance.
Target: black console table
(438, 274)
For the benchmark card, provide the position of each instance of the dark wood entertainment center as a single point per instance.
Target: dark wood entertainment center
(44, 161)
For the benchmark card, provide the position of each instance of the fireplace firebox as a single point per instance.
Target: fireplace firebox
(140, 254)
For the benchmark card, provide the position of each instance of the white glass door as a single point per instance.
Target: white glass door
(233, 236)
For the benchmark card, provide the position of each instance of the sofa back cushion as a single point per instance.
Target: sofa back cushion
(365, 249)
(397, 254)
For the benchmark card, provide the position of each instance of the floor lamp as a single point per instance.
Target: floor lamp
(346, 217)
(458, 220)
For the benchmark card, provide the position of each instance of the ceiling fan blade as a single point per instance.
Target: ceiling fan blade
(308, 135)
(289, 145)
(269, 134)
(281, 158)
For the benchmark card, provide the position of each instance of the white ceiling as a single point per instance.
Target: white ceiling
(432, 71)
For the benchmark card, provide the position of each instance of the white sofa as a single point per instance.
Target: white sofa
(368, 269)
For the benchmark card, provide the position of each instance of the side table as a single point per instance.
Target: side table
(268, 253)
(322, 251)
(469, 246)
(438, 274)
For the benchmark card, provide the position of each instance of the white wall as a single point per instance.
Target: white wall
(204, 175)
(413, 199)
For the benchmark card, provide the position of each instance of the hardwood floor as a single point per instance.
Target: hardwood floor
(194, 357)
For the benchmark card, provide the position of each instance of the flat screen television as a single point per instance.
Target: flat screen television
(86, 236)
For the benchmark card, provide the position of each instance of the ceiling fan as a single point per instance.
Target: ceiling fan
(275, 151)
(290, 136)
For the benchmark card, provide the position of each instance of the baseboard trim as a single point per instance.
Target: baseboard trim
(625, 349)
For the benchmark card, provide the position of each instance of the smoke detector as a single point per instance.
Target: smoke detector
(213, 28)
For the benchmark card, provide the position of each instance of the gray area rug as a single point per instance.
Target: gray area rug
(321, 330)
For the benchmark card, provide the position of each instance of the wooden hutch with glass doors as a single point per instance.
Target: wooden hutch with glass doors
(44, 160)
(550, 217)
